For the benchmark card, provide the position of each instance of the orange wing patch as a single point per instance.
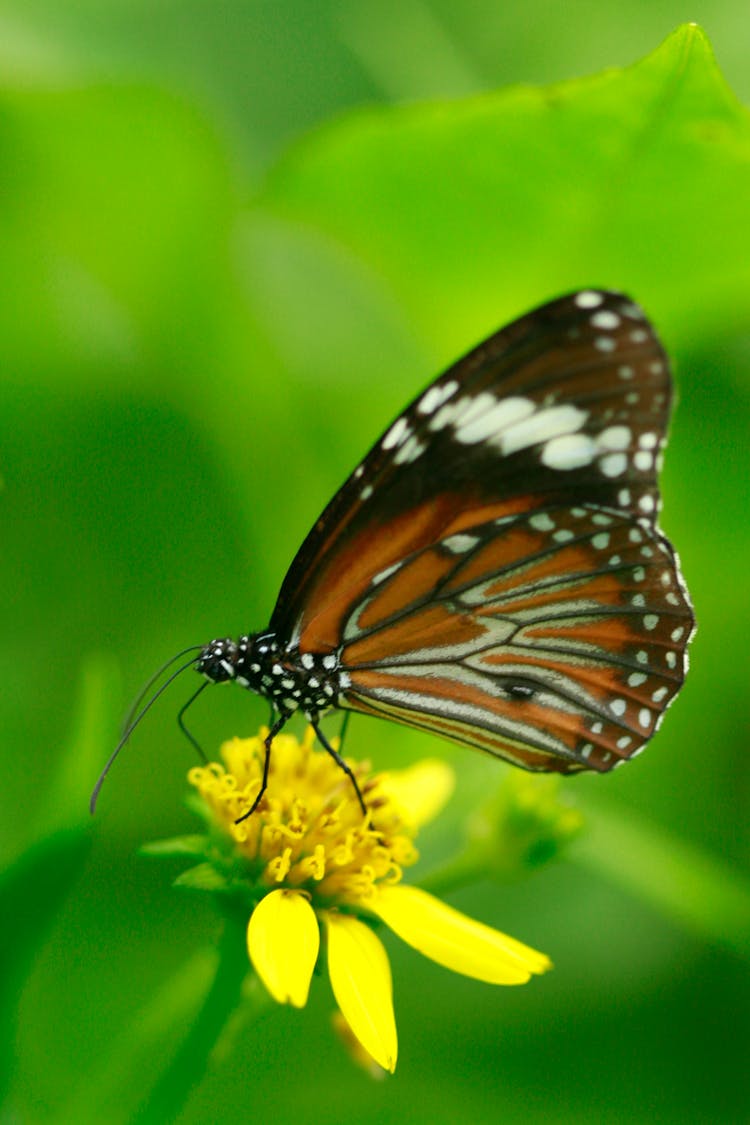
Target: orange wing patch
(435, 625)
(421, 575)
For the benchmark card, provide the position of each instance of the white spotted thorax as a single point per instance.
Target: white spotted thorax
(289, 680)
(493, 570)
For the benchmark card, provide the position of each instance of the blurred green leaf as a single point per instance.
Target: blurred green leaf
(121, 197)
(202, 877)
(66, 803)
(34, 886)
(477, 209)
(692, 888)
(177, 846)
(137, 1055)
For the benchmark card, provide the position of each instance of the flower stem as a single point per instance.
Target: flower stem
(189, 1065)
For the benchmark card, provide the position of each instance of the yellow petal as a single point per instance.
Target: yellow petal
(420, 791)
(361, 982)
(354, 1048)
(283, 940)
(455, 940)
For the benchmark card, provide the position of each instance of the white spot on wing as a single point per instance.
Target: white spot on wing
(471, 408)
(436, 396)
(458, 544)
(542, 522)
(614, 464)
(605, 343)
(409, 451)
(495, 416)
(569, 451)
(543, 426)
(588, 299)
(398, 432)
(614, 438)
(605, 319)
(446, 415)
(628, 308)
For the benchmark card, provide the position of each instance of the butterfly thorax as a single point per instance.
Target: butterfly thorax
(287, 678)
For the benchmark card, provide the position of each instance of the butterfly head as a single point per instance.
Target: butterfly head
(218, 660)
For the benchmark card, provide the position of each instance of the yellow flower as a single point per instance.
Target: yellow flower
(311, 862)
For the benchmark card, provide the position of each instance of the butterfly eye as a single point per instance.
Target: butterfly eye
(216, 661)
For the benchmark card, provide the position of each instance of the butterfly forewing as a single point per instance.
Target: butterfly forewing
(492, 570)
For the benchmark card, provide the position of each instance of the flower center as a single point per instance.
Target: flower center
(308, 832)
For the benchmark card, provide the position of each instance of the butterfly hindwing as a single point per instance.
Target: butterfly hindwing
(553, 640)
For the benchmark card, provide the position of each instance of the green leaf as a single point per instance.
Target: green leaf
(195, 845)
(93, 731)
(203, 877)
(34, 886)
(688, 885)
(474, 210)
(137, 1055)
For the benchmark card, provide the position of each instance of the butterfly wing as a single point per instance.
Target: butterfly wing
(461, 574)
(553, 639)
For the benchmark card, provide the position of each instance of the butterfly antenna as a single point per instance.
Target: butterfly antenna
(144, 710)
(150, 683)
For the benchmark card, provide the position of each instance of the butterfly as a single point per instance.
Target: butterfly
(493, 571)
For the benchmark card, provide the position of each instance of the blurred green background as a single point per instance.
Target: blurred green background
(222, 280)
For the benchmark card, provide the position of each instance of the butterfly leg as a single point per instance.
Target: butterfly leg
(344, 727)
(340, 763)
(276, 727)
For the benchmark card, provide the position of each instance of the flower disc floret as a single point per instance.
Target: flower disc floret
(309, 832)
